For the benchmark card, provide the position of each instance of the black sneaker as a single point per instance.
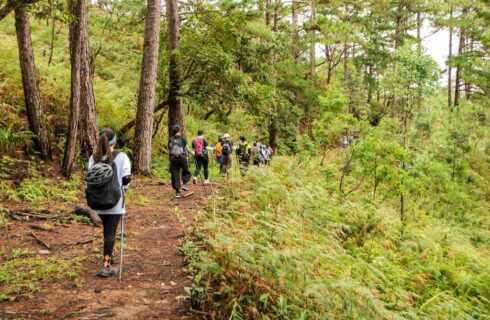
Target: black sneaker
(178, 195)
(185, 187)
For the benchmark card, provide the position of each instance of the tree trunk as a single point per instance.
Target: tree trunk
(449, 68)
(312, 45)
(273, 135)
(89, 130)
(419, 26)
(53, 15)
(457, 88)
(467, 85)
(71, 137)
(146, 96)
(268, 16)
(294, 31)
(275, 26)
(31, 91)
(175, 114)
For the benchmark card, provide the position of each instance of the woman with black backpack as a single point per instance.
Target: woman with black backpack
(177, 149)
(109, 174)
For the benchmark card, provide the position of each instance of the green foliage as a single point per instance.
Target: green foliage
(288, 247)
(24, 273)
(81, 219)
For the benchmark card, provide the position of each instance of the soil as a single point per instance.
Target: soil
(154, 274)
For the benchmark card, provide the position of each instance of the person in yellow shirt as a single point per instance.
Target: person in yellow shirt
(219, 153)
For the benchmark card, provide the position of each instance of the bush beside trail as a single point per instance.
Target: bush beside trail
(284, 243)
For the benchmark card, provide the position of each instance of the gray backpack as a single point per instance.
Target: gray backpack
(176, 147)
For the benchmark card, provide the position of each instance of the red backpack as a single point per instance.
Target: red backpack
(199, 146)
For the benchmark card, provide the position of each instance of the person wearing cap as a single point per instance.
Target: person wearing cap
(177, 149)
(227, 151)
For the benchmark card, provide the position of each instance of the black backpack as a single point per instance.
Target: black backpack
(105, 193)
(242, 152)
(226, 151)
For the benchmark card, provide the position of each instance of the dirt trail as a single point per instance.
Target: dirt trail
(153, 274)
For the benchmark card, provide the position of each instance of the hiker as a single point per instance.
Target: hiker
(255, 154)
(200, 146)
(112, 201)
(243, 155)
(177, 147)
(219, 153)
(267, 155)
(227, 152)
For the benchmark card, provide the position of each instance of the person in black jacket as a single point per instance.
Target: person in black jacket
(177, 149)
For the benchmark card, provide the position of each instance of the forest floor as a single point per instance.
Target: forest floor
(154, 277)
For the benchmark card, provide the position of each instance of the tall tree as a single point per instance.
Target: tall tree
(175, 114)
(458, 80)
(75, 45)
(449, 68)
(29, 82)
(89, 130)
(146, 95)
(313, 42)
(294, 31)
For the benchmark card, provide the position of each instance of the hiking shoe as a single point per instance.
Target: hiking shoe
(107, 272)
(114, 257)
(194, 180)
(185, 187)
(206, 182)
(178, 194)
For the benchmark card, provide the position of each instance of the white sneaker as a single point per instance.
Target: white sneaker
(194, 180)
(206, 182)
(185, 187)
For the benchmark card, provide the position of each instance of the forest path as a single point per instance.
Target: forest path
(153, 268)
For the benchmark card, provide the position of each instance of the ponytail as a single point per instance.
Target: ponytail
(104, 151)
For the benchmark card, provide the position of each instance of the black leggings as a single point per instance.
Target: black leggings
(202, 162)
(110, 222)
(176, 165)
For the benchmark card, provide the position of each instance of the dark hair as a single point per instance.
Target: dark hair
(104, 152)
(242, 138)
(176, 129)
(220, 139)
(200, 132)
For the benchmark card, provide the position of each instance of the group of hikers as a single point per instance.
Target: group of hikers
(109, 176)
(224, 148)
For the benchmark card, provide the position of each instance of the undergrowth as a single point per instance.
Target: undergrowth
(28, 184)
(284, 244)
(24, 273)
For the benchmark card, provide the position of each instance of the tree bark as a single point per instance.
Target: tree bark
(458, 81)
(71, 137)
(275, 26)
(89, 130)
(175, 114)
(294, 31)
(29, 82)
(273, 135)
(53, 15)
(449, 68)
(268, 15)
(467, 85)
(146, 95)
(312, 45)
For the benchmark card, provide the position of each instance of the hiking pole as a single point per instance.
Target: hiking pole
(121, 250)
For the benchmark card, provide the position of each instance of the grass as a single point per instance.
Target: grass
(25, 273)
(277, 245)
